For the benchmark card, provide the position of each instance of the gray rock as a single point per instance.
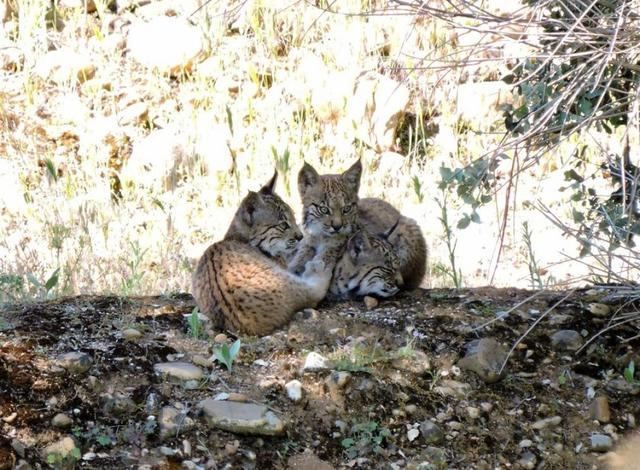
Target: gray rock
(485, 357)
(546, 422)
(61, 420)
(294, 390)
(242, 418)
(523, 444)
(173, 421)
(600, 409)
(601, 443)
(599, 310)
(183, 371)
(23, 465)
(431, 432)
(623, 387)
(63, 452)
(75, 362)
(566, 340)
(315, 362)
(131, 334)
(527, 460)
(473, 412)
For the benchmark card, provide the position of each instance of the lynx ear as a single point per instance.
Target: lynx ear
(306, 178)
(352, 175)
(249, 207)
(270, 186)
(357, 244)
(388, 233)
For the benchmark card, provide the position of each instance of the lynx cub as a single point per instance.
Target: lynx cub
(406, 239)
(366, 263)
(239, 282)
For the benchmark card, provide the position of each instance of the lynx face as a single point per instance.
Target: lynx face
(329, 201)
(265, 221)
(369, 266)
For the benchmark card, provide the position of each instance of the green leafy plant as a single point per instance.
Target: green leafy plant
(133, 281)
(196, 329)
(629, 373)
(417, 188)
(226, 355)
(534, 270)
(365, 437)
(452, 271)
(49, 284)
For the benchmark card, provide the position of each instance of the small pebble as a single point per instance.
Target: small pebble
(370, 302)
(600, 410)
(220, 338)
(61, 420)
(294, 390)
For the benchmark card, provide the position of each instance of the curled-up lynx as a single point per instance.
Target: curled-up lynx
(240, 282)
(406, 239)
(368, 266)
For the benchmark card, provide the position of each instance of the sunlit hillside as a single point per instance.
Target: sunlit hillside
(130, 131)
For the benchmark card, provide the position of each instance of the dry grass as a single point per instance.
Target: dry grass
(279, 70)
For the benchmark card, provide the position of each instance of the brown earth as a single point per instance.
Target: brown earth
(399, 357)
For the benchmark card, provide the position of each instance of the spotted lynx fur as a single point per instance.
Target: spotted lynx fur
(375, 253)
(241, 284)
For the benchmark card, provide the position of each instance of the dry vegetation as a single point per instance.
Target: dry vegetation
(115, 176)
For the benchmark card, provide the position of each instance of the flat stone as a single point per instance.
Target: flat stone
(75, 362)
(294, 390)
(601, 443)
(179, 370)
(61, 420)
(453, 388)
(485, 357)
(566, 340)
(546, 422)
(131, 334)
(315, 362)
(431, 432)
(220, 338)
(172, 422)
(623, 387)
(600, 409)
(412, 434)
(241, 418)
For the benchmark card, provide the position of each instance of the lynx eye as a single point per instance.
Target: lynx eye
(346, 209)
(283, 225)
(323, 210)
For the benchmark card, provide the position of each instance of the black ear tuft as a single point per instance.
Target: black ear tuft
(388, 233)
(307, 177)
(271, 185)
(353, 174)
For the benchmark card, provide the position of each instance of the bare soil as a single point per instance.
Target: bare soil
(398, 354)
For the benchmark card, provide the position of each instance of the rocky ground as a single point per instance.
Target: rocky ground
(107, 382)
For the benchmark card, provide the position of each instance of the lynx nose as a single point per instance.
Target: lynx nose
(298, 236)
(336, 225)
